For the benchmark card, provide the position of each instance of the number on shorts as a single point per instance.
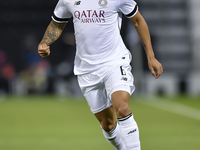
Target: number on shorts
(123, 72)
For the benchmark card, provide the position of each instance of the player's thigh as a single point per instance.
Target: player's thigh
(120, 101)
(119, 86)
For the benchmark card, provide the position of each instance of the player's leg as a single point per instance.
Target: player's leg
(128, 126)
(119, 87)
(101, 107)
(110, 128)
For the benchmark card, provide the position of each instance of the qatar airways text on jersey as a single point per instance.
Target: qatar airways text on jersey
(90, 16)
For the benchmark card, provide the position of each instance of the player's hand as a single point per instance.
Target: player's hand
(155, 67)
(43, 50)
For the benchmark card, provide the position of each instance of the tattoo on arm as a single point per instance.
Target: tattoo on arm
(53, 32)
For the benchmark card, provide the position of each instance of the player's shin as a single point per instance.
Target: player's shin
(129, 132)
(114, 138)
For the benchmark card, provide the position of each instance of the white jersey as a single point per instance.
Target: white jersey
(97, 26)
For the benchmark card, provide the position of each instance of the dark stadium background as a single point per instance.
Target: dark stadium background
(20, 18)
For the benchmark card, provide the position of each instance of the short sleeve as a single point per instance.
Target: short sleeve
(128, 7)
(61, 13)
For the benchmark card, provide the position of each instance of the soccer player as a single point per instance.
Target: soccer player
(102, 61)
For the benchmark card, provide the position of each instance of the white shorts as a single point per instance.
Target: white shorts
(98, 86)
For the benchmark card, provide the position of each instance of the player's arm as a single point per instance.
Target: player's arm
(52, 33)
(143, 32)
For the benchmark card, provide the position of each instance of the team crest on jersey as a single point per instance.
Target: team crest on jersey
(103, 3)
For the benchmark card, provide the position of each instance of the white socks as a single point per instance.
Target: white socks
(129, 132)
(114, 138)
(124, 136)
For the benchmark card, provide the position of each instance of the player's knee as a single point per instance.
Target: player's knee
(123, 110)
(108, 125)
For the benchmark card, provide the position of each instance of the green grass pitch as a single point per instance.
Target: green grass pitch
(55, 123)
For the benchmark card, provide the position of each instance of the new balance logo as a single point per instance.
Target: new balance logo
(132, 131)
(77, 3)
